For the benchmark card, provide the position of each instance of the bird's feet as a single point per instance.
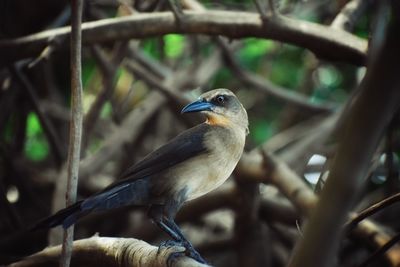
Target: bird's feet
(192, 253)
(189, 251)
(169, 243)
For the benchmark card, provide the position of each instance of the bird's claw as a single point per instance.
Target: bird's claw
(189, 251)
(170, 243)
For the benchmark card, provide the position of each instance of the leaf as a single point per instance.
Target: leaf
(36, 147)
(174, 45)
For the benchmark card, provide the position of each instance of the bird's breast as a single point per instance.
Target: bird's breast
(204, 172)
(209, 171)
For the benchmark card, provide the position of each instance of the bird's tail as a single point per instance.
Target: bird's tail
(65, 217)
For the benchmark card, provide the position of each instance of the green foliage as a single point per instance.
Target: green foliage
(33, 125)
(94, 144)
(261, 130)
(174, 45)
(253, 52)
(284, 65)
(151, 47)
(8, 133)
(88, 70)
(106, 111)
(328, 83)
(361, 29)
(221, 79)
(287, 68)
(329, 76)
(36, 147)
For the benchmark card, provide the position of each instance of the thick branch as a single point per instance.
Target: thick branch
(269, 169)
(364, 126)
(322, 40)
(110, 252)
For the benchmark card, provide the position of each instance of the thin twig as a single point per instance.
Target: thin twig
(48, 127)
(176, 8)
(262, 167)
(372, 210)
(261, 10)
(108, 68)
(268, 87)
(271, 5)
(349, 14)
(380, 251)
(76, 123)
(54, 42)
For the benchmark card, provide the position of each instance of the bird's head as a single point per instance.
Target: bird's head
(221, 107)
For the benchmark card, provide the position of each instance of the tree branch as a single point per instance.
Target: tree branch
(108, 69)
(75, 132)
(269, 169)
(265, 86)
(364, 126)
(110, 252)
(372, 210)
(349, 14)
(58, 149)
(322, 40)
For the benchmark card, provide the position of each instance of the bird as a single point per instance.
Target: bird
(190, 165)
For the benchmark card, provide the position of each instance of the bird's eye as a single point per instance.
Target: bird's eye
(220, 99)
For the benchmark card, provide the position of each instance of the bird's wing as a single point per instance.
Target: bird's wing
(185, 146)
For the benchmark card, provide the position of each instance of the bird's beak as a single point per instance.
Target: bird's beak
(197, 106)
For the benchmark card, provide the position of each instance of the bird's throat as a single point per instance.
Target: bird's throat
(218, 120)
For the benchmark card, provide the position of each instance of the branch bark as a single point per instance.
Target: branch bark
(322, 40)
(110, 252)
(349, 14)
(75, 133)
(269, 169)
(364, 126)
(266, 86)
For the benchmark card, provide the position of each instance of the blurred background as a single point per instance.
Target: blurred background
(133, 91)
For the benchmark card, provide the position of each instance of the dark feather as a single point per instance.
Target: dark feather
(67, 217)
(184, 146)
(129, 190)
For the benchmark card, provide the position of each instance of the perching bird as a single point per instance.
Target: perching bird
(192, 164)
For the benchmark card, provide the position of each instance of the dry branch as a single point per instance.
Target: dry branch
(250, 233)
(379, 206)
(110, 252)
(269, 169)
(358, 142)
(108, 69)
(349, 14)
(265, 86)
(57, 148)
(75, 128)
(322, 40)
